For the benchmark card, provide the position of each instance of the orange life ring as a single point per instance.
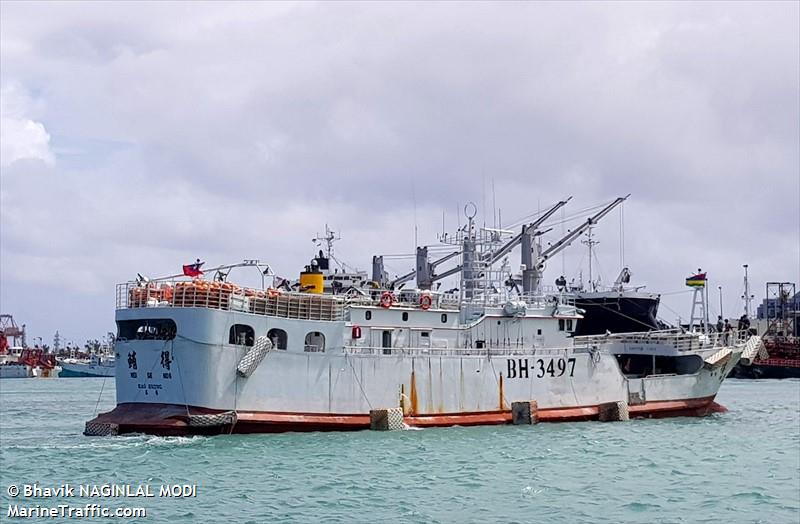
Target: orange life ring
(387, 299)
(425, 301)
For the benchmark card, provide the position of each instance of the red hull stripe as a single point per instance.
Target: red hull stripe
(169, 419)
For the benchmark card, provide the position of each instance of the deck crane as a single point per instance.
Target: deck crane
(540, 258)
(425, 270)
(533, 258)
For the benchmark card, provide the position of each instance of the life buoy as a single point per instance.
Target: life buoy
(356, 333)
(425, 301)
(387, 299)
(272, 292)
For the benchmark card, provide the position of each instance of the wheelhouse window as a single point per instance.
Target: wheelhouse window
(278, 338)
(242, 335)
(315, 342)
(569, 324)
(561, 324)
(146, 329)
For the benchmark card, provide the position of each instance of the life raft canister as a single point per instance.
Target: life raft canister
(356, 333)
(387, 299)
(425, 301)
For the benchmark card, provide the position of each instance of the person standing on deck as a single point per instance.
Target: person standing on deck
(728, 329)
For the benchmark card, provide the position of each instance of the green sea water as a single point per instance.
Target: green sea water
(738, 467)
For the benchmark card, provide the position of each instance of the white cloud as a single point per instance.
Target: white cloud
(22, 138)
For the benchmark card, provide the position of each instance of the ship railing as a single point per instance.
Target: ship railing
(437, 351)
(452, 301)
(229, 297)
(676, 338)
(410, 299)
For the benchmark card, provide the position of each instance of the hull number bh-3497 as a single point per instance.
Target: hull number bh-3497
(539, 368)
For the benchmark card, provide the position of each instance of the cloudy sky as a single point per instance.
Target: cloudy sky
(137, 137)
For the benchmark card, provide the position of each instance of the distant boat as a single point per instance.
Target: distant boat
(778, 323)
(19, 362)
(97, 366)
(14, 369)
(617, 311)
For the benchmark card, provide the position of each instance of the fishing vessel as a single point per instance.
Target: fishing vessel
(11, 367)
(21, 361)
(207, 356)
(618, 308)
(778, 322)
(96, 366)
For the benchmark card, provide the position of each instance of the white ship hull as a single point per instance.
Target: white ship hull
(165, 382)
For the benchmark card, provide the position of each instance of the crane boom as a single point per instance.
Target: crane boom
(408, 276)
(514, 242)
(575, 233)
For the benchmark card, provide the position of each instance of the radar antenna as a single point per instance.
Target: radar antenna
(330, 237)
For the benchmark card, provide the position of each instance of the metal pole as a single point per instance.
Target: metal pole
(720, 301)
(747, 296)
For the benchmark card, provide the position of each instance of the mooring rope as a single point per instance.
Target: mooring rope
(360, 386)
(100, 395)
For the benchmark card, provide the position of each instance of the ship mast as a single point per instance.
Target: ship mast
(748, 298)
(590, 242)
(329, 238)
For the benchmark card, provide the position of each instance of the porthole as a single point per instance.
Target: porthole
(278, 338)
(314, 343)
(368, 315)
(444, 318)
(241, 335)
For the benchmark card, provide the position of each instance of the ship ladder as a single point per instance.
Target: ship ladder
(254, 356)
(754, 347)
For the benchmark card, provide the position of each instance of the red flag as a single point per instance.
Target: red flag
(193, 270)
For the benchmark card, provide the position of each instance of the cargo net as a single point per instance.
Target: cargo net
(230, 297)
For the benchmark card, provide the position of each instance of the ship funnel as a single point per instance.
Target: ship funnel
(312, 280)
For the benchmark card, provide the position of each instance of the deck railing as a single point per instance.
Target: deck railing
(228, 297)
(682, 341)
(452, 301)
(291, 304)
(437, 351)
